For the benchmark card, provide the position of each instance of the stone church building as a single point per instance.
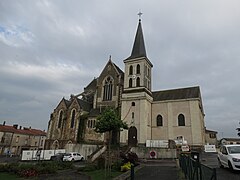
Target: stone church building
(150, 115)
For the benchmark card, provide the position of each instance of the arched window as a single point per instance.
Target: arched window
(138, 69)
(133, 103)
(89, 123)
(132, 115)
(181, 120)
(159, 120)
(130, 82)
(107, 89)
(138, 81)
(73, 118)
(130, 70)
(60, 118)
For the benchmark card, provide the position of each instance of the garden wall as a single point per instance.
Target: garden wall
(154, 153)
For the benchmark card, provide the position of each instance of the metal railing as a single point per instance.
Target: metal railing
(194, 170)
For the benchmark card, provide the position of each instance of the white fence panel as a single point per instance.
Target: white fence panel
(40, 154)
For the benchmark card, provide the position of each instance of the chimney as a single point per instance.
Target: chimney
(4, 122)
(15, 126)
(20, 127)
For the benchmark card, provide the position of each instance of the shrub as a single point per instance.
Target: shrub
(28, 173)
(2, 167)
(89, 167)
(34, 169)
(126, 167)
(47, 167)
(13, 167)
(65, 165)
(130, 156)
(117, 165)
(101, 163)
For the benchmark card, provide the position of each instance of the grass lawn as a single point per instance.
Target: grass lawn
(100, 174)
(8, 176)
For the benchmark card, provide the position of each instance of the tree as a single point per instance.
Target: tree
(109, 121)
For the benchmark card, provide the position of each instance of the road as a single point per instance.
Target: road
(210, 159)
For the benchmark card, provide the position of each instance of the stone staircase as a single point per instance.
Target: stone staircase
(112, 155)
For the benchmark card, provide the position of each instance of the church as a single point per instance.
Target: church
(150, 115)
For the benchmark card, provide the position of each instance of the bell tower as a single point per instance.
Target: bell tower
(137, 66)
(137, 95)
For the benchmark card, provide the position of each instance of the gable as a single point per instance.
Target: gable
(110, 69)
(63, 103)
(74, 104)
(114, 72)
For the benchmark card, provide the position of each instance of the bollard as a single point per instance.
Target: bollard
(132, 172)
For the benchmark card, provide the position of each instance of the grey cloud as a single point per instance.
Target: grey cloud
(189, 43)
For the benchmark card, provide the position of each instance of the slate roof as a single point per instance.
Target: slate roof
(92, 84)
(27, 131)
(84, 105)
(138, 49)
(176, 94)
(94, 112)
(67, 102)
(210, 131)
(118, 69)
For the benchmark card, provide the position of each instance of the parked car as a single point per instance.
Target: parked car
(73, 156)
(57, 157)
(229, 156)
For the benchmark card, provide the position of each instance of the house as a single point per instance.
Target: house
(224, 141)
(14, 140)
(150, 114)
(211, 137)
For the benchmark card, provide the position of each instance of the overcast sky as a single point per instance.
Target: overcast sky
(51, 49)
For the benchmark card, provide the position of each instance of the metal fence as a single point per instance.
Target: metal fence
(194, 170)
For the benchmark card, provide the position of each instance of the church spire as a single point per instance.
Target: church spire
(138, 49)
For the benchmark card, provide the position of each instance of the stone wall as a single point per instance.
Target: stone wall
(161, 153)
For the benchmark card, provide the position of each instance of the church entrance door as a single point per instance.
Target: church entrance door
(132, 136)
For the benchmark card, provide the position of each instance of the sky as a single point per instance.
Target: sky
(52, 49)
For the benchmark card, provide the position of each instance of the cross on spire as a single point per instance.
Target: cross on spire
(140, 14)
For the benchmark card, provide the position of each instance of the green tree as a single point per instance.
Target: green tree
(109, 121)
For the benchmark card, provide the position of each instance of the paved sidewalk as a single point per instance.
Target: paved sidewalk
(158, 169)
(154, 170)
